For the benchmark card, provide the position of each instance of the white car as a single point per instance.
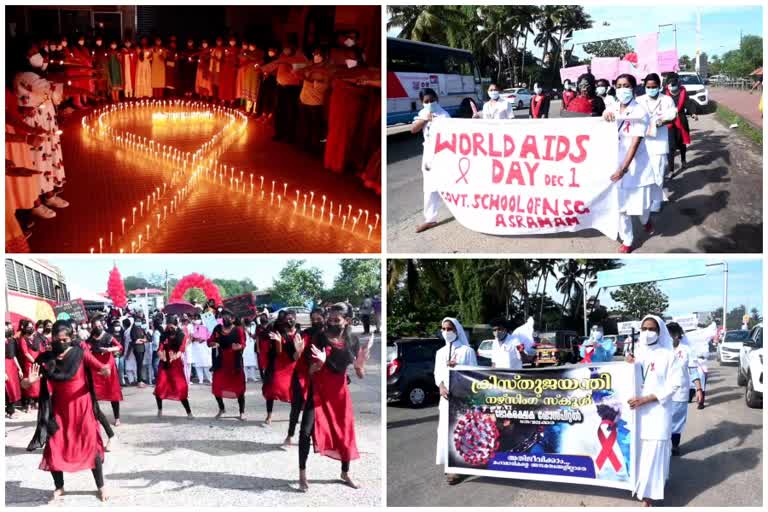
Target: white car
(520, 97)
(695, 87)
(485, 349)
(301, 312)
(728, 350)
(750, 372)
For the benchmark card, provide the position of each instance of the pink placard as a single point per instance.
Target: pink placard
(572, 73)
(668, 61)
(647, 53)
(605, 67)
(627, 67)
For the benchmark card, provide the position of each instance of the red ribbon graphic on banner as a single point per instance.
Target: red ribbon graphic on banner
(464, 170)
(607, 443)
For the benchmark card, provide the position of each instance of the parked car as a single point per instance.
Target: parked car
(301, 312)
(518, 96)
(695, 87)
(750, 371)
(411, 368)
(728, 350)
(485, 353)
(557, 348)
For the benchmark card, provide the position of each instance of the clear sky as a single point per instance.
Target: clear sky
(720, 25)
(698, 294)
(91, 273)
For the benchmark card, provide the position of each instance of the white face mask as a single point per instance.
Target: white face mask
(36, 60)
(205, 45)
(81, 42)
(252, 329)
(317, 59)
(600, 91)
(232, 43)
(537, 90)
(113, 46)
(494, 95)
(648, 337)
(64, 44)
(271, 53)
(351, 63)
(40, 330)
(98, 42)
(349, 42)
(252, 48)
(598, 335)
(127, 44)
(449, 336)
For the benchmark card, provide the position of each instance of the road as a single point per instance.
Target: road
(741, 102)
(721, 464)
(205, 462)
(715, 205)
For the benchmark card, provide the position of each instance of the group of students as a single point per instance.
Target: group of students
(327, 105)
(651, 123)
(672, 377)
(64, 377)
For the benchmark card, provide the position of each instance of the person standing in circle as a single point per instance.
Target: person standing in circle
(171, 381)
(228, 343)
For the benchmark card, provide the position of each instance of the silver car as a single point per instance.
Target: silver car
(520, 97)
(301, 312)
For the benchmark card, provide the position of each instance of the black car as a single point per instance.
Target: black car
(411, 368)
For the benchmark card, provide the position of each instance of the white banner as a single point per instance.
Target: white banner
(524, 177)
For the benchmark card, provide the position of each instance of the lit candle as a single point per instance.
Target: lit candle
(101, 245)
(343, 222)
(123, 226)
(110, 239)
(354, 224)
(313, 211)
(339, 209)
(147, 232)
(349, 211)
(323, 201)
(295, 204)
(273, 186)
(133, 246)
(312, 198)
(377, 222)
(158, 221)
(366, 216)
(141, 213)
(91, 250)
(285, 189)
(330, 214)
(122, 250)
(134, 216)
(140, 235)
(262, 182)
(370, 230)
(279, 201)
(165, 212)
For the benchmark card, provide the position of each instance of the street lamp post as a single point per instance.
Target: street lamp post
(674, 31)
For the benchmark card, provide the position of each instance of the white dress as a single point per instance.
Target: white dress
(432, 198)
(638, 191)
(249, 356)
(199, 351)
(660, 109)
(144, 76)
(464, 355)
(499, 109)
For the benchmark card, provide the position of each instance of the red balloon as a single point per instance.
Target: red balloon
(196, 281)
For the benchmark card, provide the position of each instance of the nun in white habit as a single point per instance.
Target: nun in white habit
(456, 352)
(662, 377)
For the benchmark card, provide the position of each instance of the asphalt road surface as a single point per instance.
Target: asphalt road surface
(207, 462)
(715, 204)
(721, 464)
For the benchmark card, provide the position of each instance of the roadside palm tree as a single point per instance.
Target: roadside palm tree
(508, 277)
(570, 281)
(546, 26)
(439, 24)
(543, 268)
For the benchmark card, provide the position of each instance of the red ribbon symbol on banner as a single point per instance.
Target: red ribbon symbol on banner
(607, 443)
(588, 353)
(463, 171)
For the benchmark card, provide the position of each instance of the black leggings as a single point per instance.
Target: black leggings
(104, 422)
(297, 404)
(139, 355)
(240, 403)
(185, 403)
(270, 406)
(10, 409)
(98, 475)
(305, 433)
(116, 409)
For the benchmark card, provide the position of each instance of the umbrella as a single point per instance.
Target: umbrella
(179, 308)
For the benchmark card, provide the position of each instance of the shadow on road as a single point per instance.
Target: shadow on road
(413, 421)
(212, 447)
(741, 238)
(33, 496)
(403, 146)
(720, 433)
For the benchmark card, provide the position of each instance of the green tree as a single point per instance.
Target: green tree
(357, 278)
(233, 287)
(136, 283)
(637, 300)
(610, 48)
(751, 49)
(685, 63)
(195, 295)
(297, 284)
(437, 24)
(471, 288)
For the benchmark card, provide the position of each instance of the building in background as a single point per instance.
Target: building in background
(146, 299)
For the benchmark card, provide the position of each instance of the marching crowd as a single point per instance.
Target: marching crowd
(325, 100)
(651, 121)
(672, 377)
(63, 369)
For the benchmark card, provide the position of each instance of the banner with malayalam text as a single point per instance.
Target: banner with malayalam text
(525, 177)
(560, 424)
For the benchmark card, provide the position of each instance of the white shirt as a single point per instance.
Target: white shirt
(663, 377)
(683, 356)
(661, 108)
(464, 355)
(505, 354)
(499, 109)
(633, 122)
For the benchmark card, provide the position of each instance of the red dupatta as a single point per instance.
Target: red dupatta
(680, 106)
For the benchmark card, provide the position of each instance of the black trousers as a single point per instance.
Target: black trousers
(185, 403)
(297, 404)
(139, 355)
(270, 406)
(366, 319)
(311, 128)
(116, 409)
(306, 430)
(286, 112)
(104, 423)
(240, 403)
(98, 475)
(9, 407)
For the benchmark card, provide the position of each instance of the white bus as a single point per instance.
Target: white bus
(412, 66)
(32, 288)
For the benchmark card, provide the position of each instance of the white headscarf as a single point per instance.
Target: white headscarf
(664, 342)
(461, 336)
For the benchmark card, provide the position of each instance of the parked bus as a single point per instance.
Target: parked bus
(32, 288)
(412, 66)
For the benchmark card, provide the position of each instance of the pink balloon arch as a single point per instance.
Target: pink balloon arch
(196, 281)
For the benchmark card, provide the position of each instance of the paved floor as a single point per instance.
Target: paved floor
(721, 464)
(715, 205)
(741, 102)
(103, 184)
(174, 461)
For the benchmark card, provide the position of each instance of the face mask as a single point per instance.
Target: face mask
(567, 87)
(317, 325)
(36, 60)
(653, 92)
(271, 53)
(428, 107)
(205, 45)
(97, 331)
(537, 90)
(232, 43)
(333, 329)
(500, 335)
(648, 337)
(29, 330)
(449, 336)
(64, 44)
(47, 330)
(59, 346)
(598, 335)
(227, 322)
(673, 88)
(351, 63)
(287, 51)
(113, 46)
(252, 328)
(317, 59)
(601, 91)
(252, 48)
(493, 94)
(98, 42)
(624, 95)
(118, 329)
(40, 330)
(290, 323)
(349, 42)
(81, 42)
